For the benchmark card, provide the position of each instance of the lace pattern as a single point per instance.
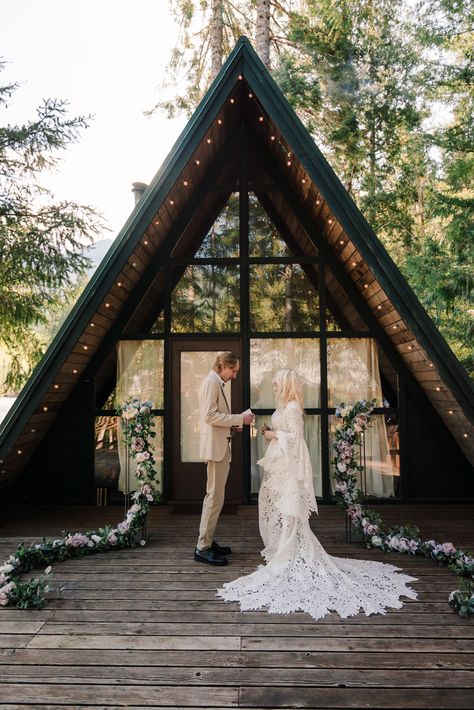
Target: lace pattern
(299, 575)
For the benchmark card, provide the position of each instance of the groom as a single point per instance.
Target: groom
(216, 423)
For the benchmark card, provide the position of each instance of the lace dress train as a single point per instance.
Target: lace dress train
(299, 575)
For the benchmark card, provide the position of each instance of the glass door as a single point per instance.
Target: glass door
(190, 362)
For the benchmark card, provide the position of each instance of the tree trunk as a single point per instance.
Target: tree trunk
(262, 38)
(217, 31)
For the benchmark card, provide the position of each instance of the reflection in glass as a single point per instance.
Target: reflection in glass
(223, 239)
(331, 322)
(342, 306)
(140, 371)
(380, 452)
(110, 455)
(353, 371)
(282, 298)
(194, 367)
(258, 445)
(106, 461)
(267, 355)
(206, 300)
(158, 326)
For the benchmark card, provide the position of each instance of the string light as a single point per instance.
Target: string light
(56, 387)
(240, 77)
(250, 95)
(119, 284)
(74, 372)
(232, 101)
(288, 162)
(45, 409)
(465, 435)
(19, 451)
(145, 243)
(330, 220)
(379, 308)
(86, 347)
(366, 285)
(260, 118)
(303, 180)
(92, 325)
(438, 389)
(107, 305)
(198, 162)
(171, 202)
(209, 140)
(341, 241)
(219, 121)
(272, 138)
(354, 263)
(450, 411)
(185, 183)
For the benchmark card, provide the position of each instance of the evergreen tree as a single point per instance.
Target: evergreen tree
(41, 240)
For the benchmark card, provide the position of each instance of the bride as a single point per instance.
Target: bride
(299, 574)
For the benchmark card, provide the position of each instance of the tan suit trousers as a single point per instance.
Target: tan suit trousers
(217, 472)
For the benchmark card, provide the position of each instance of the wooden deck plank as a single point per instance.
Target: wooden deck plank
(297, 697)
(154, 696)
(200, 676)
(144, 628)
(234, 659)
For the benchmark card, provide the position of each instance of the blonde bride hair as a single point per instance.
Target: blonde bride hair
(290, 387)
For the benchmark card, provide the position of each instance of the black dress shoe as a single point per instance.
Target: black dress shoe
(221, 549)
(209, 556)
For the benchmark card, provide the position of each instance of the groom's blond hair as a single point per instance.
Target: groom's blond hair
(226, 359)
(290, 387)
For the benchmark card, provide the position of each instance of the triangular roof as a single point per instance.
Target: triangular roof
(129, 276)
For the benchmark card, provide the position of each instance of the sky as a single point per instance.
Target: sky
(106, 58)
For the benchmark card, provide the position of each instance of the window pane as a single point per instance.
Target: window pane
(267, 355)
(264, 238)
(341, 313)
(282, 298)
(223, 239)
(258, 445)
(380, 453)
(206, 300)
(111, 457)
(140, 371)
(194, 368)
(353, 371)
(159, 325)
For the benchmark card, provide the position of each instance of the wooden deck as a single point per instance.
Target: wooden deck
(143, 628)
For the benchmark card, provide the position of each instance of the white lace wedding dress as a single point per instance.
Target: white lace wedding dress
(299, 575)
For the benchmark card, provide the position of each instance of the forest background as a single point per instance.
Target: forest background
(385, 88)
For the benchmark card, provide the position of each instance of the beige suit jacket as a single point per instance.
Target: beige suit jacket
(216, 420)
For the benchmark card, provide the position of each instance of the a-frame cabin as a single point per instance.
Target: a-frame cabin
(245, 240)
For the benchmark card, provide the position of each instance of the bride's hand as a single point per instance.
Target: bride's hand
(268, 434)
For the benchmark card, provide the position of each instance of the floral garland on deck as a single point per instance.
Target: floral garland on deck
(403, 538)
(137, 424)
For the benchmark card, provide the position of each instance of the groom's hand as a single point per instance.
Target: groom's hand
(248, 418)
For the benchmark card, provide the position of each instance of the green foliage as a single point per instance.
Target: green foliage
(41, 241)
